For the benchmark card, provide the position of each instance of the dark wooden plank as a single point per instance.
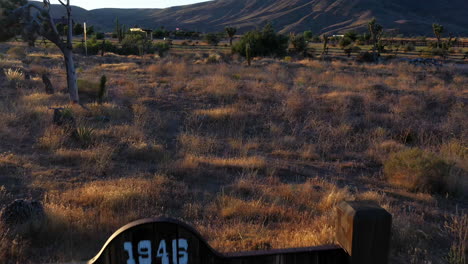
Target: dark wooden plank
(144, 238)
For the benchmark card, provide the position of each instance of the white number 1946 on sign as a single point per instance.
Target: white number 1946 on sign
(145, 252)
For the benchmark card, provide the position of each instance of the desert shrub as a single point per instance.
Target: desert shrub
(442, 52)
(214, 58)
(409, 47)
(298, 42)
(365, 57)
(95, 46)
(100, 35)
(88, 87)
(262, 43)
(212, 39)
(161, 48)
(457, 226)
(5, 196)
(16, 53)
(345, 42)
(135, 44)
(94, 91)
(417, 170)
(308, 35)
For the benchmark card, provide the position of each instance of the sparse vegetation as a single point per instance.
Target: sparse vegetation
(255, 157)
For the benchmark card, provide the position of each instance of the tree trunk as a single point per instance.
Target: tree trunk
(69, 63)
(71, 75)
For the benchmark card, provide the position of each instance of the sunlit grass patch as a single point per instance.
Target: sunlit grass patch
(220, 112)
(119, 66)
(251, 210)
(197, 144)
(252, 162)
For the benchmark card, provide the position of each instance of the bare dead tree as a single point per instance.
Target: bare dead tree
(37, 20)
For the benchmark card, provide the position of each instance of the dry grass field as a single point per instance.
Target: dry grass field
(253, 157)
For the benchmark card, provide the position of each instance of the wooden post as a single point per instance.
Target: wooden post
(363, 231)
(85, 39)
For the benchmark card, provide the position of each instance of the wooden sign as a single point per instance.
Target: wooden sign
(169, 241)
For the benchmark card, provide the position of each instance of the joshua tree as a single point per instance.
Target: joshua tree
(119, 30)
(376, 32)
(438, 30)
(36, 20)
(325, 44)
(231, 31)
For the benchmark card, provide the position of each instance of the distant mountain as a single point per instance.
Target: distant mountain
(410, 17)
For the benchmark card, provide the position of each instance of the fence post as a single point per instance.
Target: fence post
(363, 230)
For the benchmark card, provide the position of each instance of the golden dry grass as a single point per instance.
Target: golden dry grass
(254, 157)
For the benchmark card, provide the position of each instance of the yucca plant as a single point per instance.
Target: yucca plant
(84, 135)
(14, 74)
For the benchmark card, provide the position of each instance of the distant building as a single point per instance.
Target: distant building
(146, 31)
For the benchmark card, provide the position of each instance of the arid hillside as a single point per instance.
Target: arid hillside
(320, 16)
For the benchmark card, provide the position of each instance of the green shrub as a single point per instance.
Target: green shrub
(212, 39)
(95, 46)
(162, 48)
(299, 43)
(365, 57)
(308, 35)
(262, 43)
(352, 35)
(16, 53)
(135, 44)
(100, 35)
(442, 52)
(345, 42)
(417, 170)
(409, 47)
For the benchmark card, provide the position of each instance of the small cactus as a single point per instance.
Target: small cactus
(248, 54)
(102, 89)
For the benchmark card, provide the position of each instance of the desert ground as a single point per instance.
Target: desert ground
(253, 157)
